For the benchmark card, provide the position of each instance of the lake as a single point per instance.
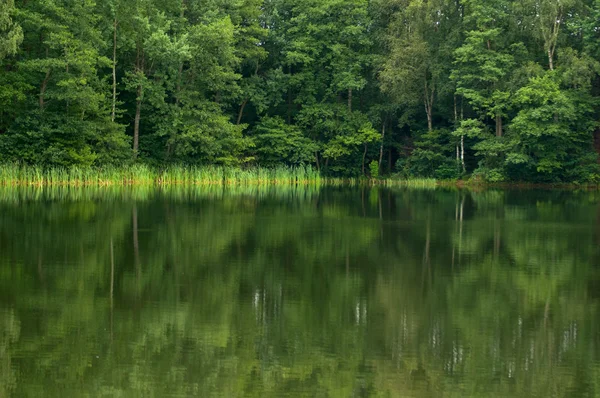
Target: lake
(299, 292)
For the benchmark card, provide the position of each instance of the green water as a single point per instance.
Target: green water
(299, 292)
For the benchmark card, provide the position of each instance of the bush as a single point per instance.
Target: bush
(374, 169)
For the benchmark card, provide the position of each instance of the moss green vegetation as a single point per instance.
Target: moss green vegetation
(489, 90)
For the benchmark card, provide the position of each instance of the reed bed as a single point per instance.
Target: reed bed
(13, 174)
(18, 175)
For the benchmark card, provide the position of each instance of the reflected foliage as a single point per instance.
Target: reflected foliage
(299, 291)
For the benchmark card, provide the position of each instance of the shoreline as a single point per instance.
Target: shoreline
(15, 175)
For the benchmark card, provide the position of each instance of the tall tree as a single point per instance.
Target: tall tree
(11, 34)
(484, 62)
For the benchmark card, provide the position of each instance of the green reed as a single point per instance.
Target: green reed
(13, 174)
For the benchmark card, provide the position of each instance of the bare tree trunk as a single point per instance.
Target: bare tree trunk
(462, 153)
(239, 118)
(455, 112)
(317, 159)
(429, 121)
(139, 68)
(551, 35)
(381, 147)
(498, 125)
(349, 100)
(456, 125)
(114, 71)
(363, 159)
(457, 154)
(136, 123)
(428, 102)
(180, 69)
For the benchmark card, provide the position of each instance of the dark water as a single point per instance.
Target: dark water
(299, 292)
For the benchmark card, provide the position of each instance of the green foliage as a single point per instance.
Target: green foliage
(335, 84)
(432, 157)
(374, 169)
(11, 34)
(278, 142)
(548, 137)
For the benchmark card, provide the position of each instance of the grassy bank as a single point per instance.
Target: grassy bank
(18, 175)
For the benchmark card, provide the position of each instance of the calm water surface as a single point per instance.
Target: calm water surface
(299, 292)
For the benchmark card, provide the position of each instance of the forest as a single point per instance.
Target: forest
(491, 90)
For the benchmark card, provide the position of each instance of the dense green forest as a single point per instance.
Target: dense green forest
(498, 90)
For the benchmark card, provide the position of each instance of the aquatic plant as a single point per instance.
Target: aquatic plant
(14, 174)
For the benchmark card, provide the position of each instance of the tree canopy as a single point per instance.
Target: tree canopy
(493, 89)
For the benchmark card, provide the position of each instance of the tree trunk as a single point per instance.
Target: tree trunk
(457, 155)
(240, 114)
(349, 100)
(550, 59)
(429, 122)
(136, 123)
(462, 153)
(139, 68)
(114, 71)
(381, 147)
(455, 112)
(428, 102)
(317, 159)
(498, 125)
(364, 158)
(180, 69)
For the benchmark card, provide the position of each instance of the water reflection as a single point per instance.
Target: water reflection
(299, 292)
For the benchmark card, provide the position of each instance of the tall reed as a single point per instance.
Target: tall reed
(14, 174)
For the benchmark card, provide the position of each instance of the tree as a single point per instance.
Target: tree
(277, 142)
(69, 122)
(11, 34)
(415, 67)
(484, 62)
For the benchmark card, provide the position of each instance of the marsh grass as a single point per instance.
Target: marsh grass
(13, 174)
